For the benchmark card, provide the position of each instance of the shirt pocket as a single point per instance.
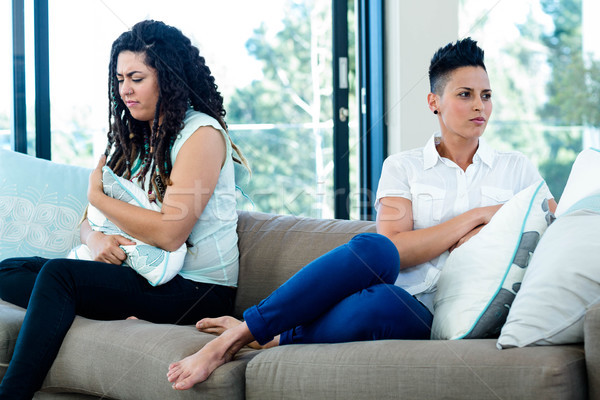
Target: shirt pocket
(491, 196)
(427, 204)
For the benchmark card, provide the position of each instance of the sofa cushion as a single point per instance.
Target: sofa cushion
(124, 360)
(459, 369)
(562, 282)
(11, 318)
(274, 247)
(130, 359)
(65, 396)
(41, 205)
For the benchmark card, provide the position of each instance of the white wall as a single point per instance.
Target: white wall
(414, 30)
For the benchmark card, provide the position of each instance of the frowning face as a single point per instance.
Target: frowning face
(138, 85)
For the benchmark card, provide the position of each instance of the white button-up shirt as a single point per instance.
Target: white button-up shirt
(440, 190)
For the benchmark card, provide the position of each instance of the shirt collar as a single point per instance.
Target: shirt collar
(430, 155)
(485, 153)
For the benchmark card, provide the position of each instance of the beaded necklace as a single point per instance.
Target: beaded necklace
(140, 165)
(138, 168)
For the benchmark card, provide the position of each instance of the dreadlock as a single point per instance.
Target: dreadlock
(184, 80)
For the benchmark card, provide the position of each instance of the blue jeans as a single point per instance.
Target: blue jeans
(346, 295)
(54, 291)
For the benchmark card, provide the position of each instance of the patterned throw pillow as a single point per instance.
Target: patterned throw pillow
(481, 278)
(156, 265)
(41, 204)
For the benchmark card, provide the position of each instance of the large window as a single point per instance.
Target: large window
(272, 61)
(545, 74)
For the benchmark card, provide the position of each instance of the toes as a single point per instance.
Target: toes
(210, 322)
(188, 381)
(173, 375)
(201, 324)
(210, 325)
(174, 372)
(178, 376)
(183, 385)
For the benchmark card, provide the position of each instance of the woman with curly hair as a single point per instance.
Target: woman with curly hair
(167, 134)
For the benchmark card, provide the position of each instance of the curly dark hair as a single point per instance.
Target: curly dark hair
(184, 80)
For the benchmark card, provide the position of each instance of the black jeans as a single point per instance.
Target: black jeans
(55, 291)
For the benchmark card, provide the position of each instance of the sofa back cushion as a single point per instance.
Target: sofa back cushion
(41, 205)
(274, 247)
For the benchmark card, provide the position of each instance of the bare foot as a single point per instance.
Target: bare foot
(217, 326)
(197, 368)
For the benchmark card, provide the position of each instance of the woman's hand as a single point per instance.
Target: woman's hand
(95, 187)
(106, 248)
(486, 214)
(465, 238)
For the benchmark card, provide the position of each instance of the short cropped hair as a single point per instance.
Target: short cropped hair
(463, 53)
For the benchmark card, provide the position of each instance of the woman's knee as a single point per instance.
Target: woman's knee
(379, 253)
(56, 271)
(17, 278)
(33, 264)
(6, 265)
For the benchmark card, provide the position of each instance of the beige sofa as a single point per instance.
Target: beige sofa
(129, 359)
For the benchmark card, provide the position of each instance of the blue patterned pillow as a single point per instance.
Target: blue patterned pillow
(156, 265)
(41, 204)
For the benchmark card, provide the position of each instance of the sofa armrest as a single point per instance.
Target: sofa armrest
(591, 335)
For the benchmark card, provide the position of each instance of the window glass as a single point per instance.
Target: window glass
(271, 60)
(353, 118)
(30, 75)
(290, 141)
(5, 73)
(544, 72)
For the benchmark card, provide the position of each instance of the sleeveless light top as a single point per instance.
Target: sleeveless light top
(213, 256)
